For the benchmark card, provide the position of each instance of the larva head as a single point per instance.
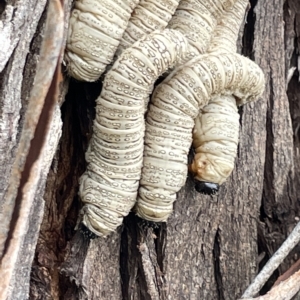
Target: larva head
(206, 188)
(147, 224)
(210, 169)
(86, 232)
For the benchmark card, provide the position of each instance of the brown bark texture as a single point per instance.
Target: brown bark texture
(211, 247)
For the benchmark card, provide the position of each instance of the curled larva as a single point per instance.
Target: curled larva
(148, 16)
(197, 21)
(215, 136)
(95, 30)
(109, 186)
(170, 120)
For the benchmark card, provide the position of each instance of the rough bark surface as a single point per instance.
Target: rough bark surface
(211, 247)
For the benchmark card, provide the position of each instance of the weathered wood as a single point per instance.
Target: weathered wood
(284, 290)
(280, 204)
(35, 139)
(12, 96)
(292, 240)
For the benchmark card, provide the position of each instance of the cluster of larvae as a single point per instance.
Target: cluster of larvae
(141, 162)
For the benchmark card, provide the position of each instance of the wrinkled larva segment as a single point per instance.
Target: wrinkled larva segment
(95, 30)
(197, 21)
(148, 16)
(109, 186)
(169, 123)
(226, 32)
(215, 140)
(215, 136)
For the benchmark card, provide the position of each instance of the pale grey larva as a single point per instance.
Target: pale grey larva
(148, 16)
(226, 32)
(170, 120)
(215, 140)
(108, 188)
(219, 119)
(95, 30)
(197, 21)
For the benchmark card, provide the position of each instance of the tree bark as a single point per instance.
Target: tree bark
(211, 247)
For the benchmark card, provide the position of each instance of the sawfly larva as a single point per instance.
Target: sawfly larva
(215, 140)
(95, 30)
(148, 16)
(216, 132)
(109, 186)
(226, 32)
(170, 119)
(197, 21)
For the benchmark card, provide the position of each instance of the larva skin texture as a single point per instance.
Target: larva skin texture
(215, 140)
(95, 30)
(148, 16)
(109, 186)
(197, 21)
(170, 120)
(226, 33)
(216, 132)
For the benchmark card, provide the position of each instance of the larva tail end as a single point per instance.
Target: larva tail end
(144, 224)
(86, 232)
(206, 188)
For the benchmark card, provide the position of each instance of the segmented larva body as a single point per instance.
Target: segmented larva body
(215, 140)
(148, 16)
(216, 132)
(170, 120)
(226, 32)
(95, 30)
(200, 17)
(109, 186)
(197, 21)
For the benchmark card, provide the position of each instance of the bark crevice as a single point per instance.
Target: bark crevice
(217, 269)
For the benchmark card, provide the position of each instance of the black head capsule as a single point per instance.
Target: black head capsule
(86, 232)
(144, 224)
(206, 188)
